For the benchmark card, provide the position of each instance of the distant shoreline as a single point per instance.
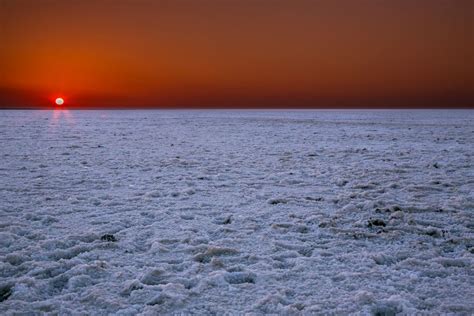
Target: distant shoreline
(235, 108)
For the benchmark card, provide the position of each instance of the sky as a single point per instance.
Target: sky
(237, 53)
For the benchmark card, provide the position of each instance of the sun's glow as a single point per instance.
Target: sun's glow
(59, 101)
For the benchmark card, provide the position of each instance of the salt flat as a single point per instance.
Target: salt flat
(287, 212)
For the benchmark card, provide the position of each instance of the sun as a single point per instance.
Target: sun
(59, 101)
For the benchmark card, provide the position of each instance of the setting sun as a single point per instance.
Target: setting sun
(59, 101)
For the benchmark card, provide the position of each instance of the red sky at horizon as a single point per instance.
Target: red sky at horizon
(229, 53)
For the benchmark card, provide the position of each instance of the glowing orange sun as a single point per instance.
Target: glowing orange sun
(59, 101)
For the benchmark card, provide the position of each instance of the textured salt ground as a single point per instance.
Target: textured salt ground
(260, 212)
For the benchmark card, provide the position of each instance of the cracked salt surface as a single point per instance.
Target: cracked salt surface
(126, 212)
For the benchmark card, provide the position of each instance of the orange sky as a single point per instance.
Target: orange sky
(237, 52)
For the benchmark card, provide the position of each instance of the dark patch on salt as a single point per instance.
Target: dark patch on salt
(433, 232)
(323, 224)
(5, 292)
(277, 201)
(388, 210)
(309, 198)
(224, 220)
(108, 237)
(376, 222)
